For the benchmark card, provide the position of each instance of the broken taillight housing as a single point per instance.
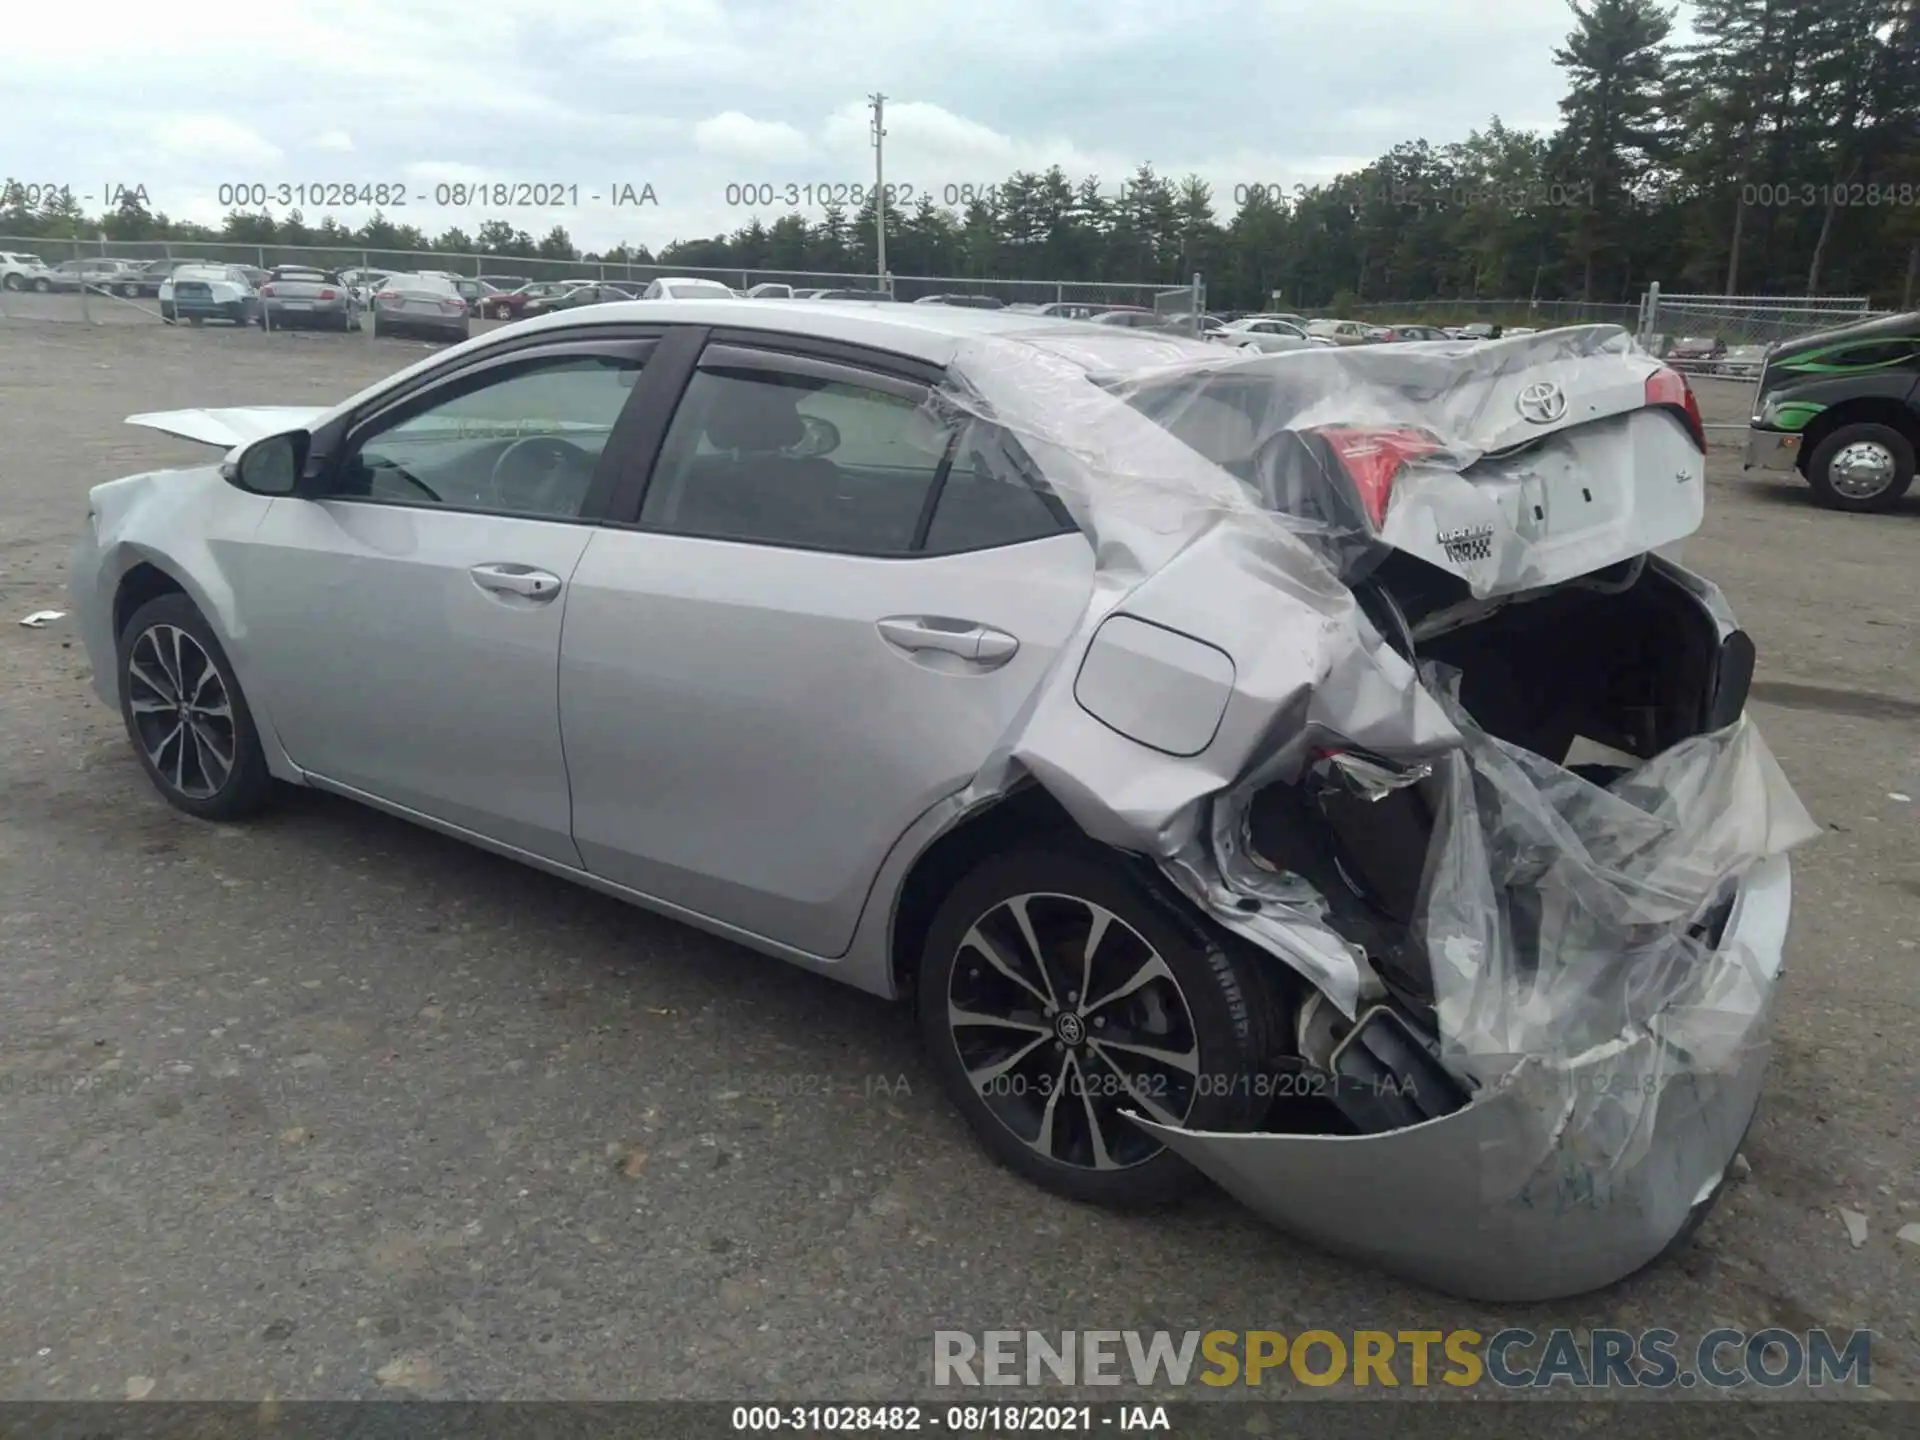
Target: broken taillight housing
(1668, 387)
(1374, 456)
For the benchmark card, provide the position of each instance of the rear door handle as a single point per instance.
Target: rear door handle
(521, 580)
(982, 644)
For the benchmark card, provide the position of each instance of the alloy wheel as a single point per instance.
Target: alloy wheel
(181, 711)
(1862, 470)
(1063, 1016)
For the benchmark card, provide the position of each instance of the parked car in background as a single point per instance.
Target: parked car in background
(1401, 334)
(298, 297)
(1074, 309)
(154, 273)
(1512, 330)
(680, 287)
(596, 292)
(420, 305)
(1842, 407)
(21, 271)
(1742, 361)
(514, 304)
(477, 293)
(1695, 349)
(1342, 332)
(117, 277)
(880, 296)
(198, 293)
(504, 283)
(1132, 317)
(810, 293)
(964, 302)
(770, 290)
(1479, 330)
(1261, 334)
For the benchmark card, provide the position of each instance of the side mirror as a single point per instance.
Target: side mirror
(271, 466)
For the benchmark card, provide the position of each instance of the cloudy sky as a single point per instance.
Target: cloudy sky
(692, 96)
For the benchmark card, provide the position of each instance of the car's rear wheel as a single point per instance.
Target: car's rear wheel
(1861, 468)
(1057, 991)
(185, 714)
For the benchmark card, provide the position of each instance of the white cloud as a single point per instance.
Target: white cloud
(734, 136)
(215, 139)
(334, 140)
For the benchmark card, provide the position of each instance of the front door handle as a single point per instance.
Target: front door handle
(521, 580)
(982, 644)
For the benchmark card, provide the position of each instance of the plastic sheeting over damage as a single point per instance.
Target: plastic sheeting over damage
(1588, 984)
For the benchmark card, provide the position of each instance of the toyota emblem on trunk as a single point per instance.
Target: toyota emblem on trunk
(1542, 402)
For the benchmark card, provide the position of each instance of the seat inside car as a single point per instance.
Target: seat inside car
(751, 488)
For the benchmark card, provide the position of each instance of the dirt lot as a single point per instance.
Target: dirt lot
(331, 1106)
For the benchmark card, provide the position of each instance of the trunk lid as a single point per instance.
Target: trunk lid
(1511, 464)
(228, 428)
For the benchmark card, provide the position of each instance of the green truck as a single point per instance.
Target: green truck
(1843, 408)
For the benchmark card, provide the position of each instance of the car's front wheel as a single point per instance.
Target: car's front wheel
(12, 282)
(1861, 468)
(185, 714)
(1057, 992)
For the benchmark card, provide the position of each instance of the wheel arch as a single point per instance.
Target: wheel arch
(1867, 410)
(1020, 815)
(142, 582)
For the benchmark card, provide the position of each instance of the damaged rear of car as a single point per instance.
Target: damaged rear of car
(1384, 672)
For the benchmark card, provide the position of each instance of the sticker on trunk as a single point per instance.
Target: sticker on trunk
(1468, 542)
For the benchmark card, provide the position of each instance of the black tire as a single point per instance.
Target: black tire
(42, 286)
(196, 320)
(12, 282)
(1819, 465)
(1211, 1004)
(187, 779)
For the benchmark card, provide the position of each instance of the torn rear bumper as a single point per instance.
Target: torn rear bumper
(1568, 1176)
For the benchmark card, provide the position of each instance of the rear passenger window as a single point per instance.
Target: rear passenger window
(823, 462)
(788, 459)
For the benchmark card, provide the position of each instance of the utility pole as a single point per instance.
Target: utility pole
(879, 102)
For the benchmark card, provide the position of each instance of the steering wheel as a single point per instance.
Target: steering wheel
(528, 474)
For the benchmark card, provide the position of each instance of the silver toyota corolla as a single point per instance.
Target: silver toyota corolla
(1312, 771)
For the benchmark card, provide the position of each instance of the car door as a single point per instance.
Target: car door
(813, 622)
(404, 614)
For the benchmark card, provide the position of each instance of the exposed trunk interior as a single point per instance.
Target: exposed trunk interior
(1626, 660)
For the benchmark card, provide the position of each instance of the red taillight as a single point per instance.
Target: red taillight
(1668, 387)
(329, 294)
(388, 295)
(1373, 458)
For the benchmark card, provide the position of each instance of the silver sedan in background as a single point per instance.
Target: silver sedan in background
(1257, 333)
(297, 297)
(421, 305)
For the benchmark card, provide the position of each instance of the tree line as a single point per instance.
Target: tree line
(1777, 151)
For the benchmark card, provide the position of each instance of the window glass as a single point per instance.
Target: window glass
(527, 443)
(992, 496)
(796, 460)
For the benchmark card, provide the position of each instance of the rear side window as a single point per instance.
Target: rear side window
(993, 496)
(826, 462)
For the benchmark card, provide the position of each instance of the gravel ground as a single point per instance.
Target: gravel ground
(333, 1107)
